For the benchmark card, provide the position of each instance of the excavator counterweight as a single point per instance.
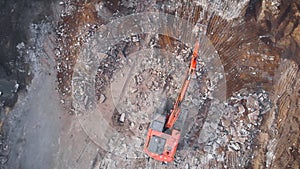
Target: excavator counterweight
(163, 138)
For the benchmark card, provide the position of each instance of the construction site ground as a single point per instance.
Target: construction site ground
(83, 109)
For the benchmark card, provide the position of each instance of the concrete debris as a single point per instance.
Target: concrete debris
(135, 39)
(86, 98)
(131, 124)
(253, 117)
(62, 101)
(241, 109)
(236, 128)
(187, 166)
(122, 118)
(234, 146)
(225, 122)
(102, 98)
(228, 9)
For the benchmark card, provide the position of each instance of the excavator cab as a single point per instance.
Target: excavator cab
(161, 144)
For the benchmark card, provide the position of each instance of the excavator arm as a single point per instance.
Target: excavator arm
(176, 109)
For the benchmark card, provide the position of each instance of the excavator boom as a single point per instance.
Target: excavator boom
(176, 109)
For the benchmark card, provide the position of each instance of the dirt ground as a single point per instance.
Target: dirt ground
(83, 112)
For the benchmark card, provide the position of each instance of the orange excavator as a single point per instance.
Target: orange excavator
(163, 135)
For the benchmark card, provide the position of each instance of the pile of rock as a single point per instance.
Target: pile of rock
(237, 128)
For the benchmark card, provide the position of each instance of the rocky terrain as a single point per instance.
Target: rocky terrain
(87, 77)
